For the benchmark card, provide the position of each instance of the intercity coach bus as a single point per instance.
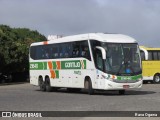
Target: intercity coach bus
(94, 61)
(150, 64)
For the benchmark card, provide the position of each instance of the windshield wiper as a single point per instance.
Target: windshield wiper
(120, 68)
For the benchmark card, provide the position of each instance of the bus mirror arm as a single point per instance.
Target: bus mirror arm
(103, 51)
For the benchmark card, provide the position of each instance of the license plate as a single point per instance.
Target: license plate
(125, 86)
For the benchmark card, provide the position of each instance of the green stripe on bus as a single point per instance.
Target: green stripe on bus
(54, 64)
(73, 64)
(44, 65)
(36, 66)
(129, 77)
(57, 73)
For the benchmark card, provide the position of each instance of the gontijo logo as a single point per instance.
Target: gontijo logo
(76, 64)
(72, 64)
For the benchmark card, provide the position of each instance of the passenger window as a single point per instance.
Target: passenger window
(85, 50)
(42, 51)
(155, 55)
(150, 55)
(158, 55)
(76, 49)
(65, 50)
(33, 52)
(61, 50)
(81, 49)
(54, 51)
(142, 55)
(68, 50)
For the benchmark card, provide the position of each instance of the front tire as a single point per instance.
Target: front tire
(88, 87)
(156, 79)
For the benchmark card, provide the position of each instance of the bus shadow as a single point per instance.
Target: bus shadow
(129, 92)
(104, 93)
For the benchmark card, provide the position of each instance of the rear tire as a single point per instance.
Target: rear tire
(156, 79)
(88, 87)
(48, 85)
(42, 85)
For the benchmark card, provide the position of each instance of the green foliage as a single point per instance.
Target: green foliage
(14, 48)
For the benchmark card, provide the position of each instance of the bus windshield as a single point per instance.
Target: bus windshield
(122, 58)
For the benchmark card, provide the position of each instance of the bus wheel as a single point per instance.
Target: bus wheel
(121, 92)
(48, 85)
(88, 87)
(156, 79)
(42, 85)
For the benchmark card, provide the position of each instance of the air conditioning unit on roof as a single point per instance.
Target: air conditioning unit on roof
(53, 37)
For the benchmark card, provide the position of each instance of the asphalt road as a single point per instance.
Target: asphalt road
(25, 97)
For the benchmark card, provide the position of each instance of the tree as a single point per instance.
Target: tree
(14, 48)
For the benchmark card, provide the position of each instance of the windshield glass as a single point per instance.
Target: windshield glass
(122, 58)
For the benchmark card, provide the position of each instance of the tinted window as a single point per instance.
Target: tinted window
(142, 55)
(81, 49)
(94, 43)
(150, 57)
(99, 61)
(158, 55)
(54, 51)
(33, 52)
(61, 50)
(155, 55)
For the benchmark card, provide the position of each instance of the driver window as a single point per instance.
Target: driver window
(99, 61)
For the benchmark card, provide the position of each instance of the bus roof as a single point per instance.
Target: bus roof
(111, 38)
(149, 48)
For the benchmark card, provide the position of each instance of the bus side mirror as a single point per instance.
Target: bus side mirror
(103, 51)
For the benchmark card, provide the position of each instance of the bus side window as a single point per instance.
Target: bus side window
(42, 51)
(84, 50)
(33, 52)
(39, 52)
(142, 55)
(150, 56)
(54, 51)
(75, 51)
(61, 54)
(155, 55)
(64, 51)
(68, 50)
(47, 52)
(158, 55)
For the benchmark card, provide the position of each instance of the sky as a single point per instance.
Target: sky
(139, 19)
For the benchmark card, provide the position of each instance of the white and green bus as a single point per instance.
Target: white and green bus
(94, 61)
